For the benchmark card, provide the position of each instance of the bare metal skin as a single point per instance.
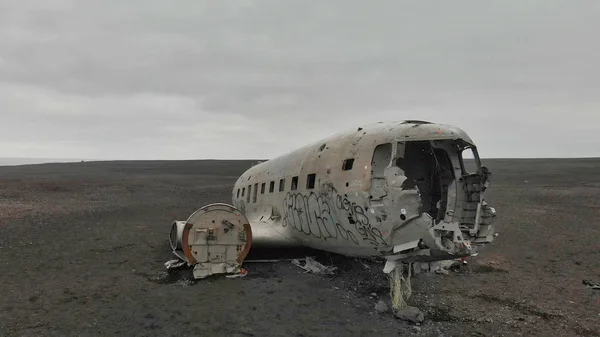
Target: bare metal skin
(400, 190)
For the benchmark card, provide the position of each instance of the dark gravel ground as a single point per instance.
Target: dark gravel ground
(82, 248)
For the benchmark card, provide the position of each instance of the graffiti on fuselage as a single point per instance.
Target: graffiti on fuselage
(317, 215)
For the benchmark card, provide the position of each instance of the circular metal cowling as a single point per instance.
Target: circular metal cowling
(216, 233)
(176, 234)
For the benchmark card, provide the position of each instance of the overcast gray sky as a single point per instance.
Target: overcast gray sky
(149, 79)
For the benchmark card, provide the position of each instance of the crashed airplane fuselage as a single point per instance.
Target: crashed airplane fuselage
(401, 190)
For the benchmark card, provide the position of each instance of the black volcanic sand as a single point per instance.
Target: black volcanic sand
(82, 248)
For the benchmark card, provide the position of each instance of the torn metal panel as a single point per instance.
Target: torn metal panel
(406, 246)
(173, 264)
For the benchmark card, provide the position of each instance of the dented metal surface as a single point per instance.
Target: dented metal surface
(401, 190)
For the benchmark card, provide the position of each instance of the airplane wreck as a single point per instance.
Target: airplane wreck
(408, 191)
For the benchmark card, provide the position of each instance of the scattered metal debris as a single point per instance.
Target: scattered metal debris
(591, 285)
(173, 264)
(438, 267)
(312, 266)
(241, 273)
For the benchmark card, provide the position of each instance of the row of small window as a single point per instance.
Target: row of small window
(310, 183)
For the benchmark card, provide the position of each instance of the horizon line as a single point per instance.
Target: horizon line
(64, 160)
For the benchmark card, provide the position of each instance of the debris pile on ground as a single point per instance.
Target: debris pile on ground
(312, 266)
(591, 285)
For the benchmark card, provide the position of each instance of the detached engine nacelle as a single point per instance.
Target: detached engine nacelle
(215, 239)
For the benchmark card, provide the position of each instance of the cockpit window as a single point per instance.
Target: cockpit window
(469, 160)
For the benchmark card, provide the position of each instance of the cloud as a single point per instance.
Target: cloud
(238, 79)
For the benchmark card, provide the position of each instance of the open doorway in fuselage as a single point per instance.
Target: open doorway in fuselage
(429, 169)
